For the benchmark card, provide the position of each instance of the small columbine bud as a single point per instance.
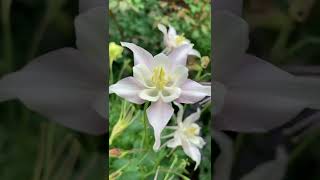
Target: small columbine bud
(126, 118)
(205, 60)
(115, 52)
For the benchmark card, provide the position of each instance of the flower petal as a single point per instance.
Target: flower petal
(231, 41)
(194, 52)
(180, 75)
(175, 142)
(192, 151)
(172, 33)
(85, 5)
(143, 74)
(164, 30)
(234, 6)
(159, 114)
(274, 169)
(170, 94)
(163, 60)
(141, 56)
(91, 33)
(223, 164)
(129, 89)
(61, 85)
(192, 117)
(179, 55)
(150, 94)
(276, 97)
(193, 92)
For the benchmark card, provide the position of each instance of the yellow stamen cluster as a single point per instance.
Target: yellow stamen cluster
(191, 131)
(159, 77)
(180, 39)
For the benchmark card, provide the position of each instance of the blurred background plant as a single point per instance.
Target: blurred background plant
(285, 33)
(32, 147)
(131, 154)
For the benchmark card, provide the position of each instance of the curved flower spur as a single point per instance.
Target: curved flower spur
(161, 79)
(257, 95)
(68, 85)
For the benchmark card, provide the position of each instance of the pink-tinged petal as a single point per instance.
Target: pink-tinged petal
(159, 114)
(193, 92)
(91, 34)
(141, 56)
(192, 151)
(63, 86)
(179, 55)
(85, 5)
(129, 89)
(234, 6)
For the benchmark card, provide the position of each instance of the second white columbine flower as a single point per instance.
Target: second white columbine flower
(173, 40)
(187, 135)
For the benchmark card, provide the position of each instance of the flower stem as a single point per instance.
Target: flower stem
(145, 136)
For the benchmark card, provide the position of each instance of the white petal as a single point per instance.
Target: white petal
(193, 92)
(194, 52)
(179, 55)
(192, 151)
(163, 60)
(91, 33)
(129, 89)
(143, 74)
(175, 142)
(170, 94)
(192, 117)
(141, 56)
(150, 94)
(172, 33)
(164, 30)
(198, 141)
(159, 114)
(180, 113)
(180, 75)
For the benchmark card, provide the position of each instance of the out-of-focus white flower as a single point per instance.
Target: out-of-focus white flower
(187, 135)
(161, 80)
(173, 40)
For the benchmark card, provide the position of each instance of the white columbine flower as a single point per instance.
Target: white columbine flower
(161, 80)
(187, 135)
(172, 40)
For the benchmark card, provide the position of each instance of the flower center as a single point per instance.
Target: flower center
(159, 77)
(180, 39)
(191, 131)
